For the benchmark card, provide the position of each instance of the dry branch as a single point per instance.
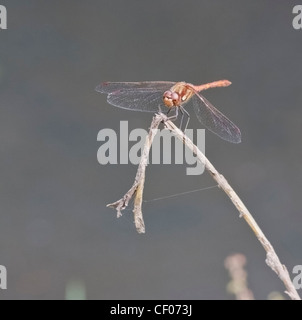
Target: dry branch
(137, 188)
(272, 260)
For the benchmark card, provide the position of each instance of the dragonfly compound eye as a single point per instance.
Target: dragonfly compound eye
(168, 99)
(171, 98)
(175, 96)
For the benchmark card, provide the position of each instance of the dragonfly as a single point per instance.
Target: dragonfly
(154, 96)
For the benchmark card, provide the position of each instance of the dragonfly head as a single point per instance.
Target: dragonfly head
(171, 99)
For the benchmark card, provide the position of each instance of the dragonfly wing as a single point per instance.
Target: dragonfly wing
(110, 87)
(214, 120)
(143, 99)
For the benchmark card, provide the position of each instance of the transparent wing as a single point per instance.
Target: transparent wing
(143, 99)
(214, 120)
(110, 87)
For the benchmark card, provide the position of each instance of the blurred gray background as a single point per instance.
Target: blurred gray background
(55, 230)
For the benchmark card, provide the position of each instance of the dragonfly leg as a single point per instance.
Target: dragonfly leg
(182, 117)
(184, 112)
(175, 116)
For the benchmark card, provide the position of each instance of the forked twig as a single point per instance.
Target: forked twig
(272, 259)
(139, 181)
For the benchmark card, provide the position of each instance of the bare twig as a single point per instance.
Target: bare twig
(272, 259)
(138, 185)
